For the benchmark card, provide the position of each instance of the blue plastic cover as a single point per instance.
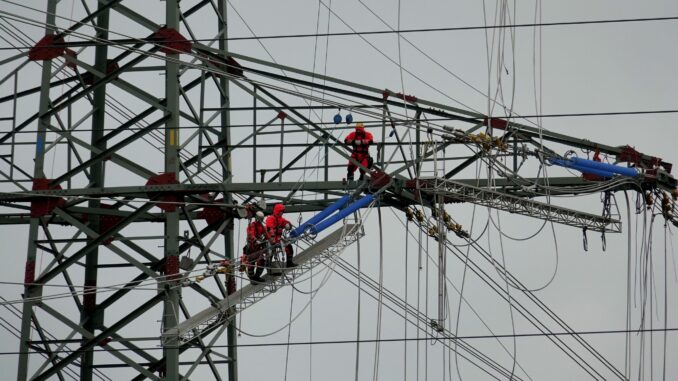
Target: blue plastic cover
(581, 168)
(321, 216)
(630, 172)
(363, 202)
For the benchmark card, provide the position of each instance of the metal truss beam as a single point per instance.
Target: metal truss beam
(316, 254)
(453, 191)
(142, 191)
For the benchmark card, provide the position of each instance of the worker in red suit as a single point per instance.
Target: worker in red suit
(253, 253)
(360, 141)
(275, 224)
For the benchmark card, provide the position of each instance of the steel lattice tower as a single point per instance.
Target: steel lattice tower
(148, 175)
(95, 81)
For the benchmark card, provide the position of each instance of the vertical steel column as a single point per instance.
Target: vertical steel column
(327, 165)
(225, 101)
(91, 318)
(254, 138)
(38, 173)
(515, 153)
(201, 128)
(69, 160)
(417, 169)
(172, 142)
(282, 141)
(383, 134)
(11, 157)
(442, 238)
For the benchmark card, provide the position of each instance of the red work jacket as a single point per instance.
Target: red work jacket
(255, 231)
(275, 226)
(365, 141)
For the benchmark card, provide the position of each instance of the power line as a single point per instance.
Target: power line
(376, 32)
(368, 341)
(378, 124)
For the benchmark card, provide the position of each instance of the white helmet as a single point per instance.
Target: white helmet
(259, 216)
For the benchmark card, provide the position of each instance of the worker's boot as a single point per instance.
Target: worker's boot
(349, 176)
(362, 177)
(257, 279)
(256, 276)
(288, 254)
(250, 271)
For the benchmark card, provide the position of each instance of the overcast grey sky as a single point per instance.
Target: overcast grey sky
(584, 69)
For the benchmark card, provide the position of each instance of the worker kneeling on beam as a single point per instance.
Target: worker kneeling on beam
(254, 254)
(360, 141)
(275, 224)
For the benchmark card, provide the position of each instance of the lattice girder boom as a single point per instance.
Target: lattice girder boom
(454, 191)
(316, 254)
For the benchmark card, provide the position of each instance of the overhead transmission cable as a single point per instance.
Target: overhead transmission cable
(504, 17)
(394, 62)
(392, 297)
(547, 310)
(315, 56)
(448, 283)
(463, 280)
(439, 29)
(400, 123)
(538, 324)
(343, 342)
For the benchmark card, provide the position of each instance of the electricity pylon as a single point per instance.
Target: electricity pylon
(147, 176)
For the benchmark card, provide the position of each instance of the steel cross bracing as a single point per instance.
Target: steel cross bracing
(94, 209)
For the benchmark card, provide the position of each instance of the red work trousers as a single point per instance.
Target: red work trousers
(362, 158)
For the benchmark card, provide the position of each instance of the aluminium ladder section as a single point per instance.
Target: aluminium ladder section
(220, 312)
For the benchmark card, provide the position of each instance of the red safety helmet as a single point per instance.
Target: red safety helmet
(278, 210)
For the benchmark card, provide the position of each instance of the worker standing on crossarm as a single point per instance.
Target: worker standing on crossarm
(360, 141)
(253, 254)
(275, 224)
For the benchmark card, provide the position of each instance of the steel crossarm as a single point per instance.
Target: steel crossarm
(460, 192)
(142, 191)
